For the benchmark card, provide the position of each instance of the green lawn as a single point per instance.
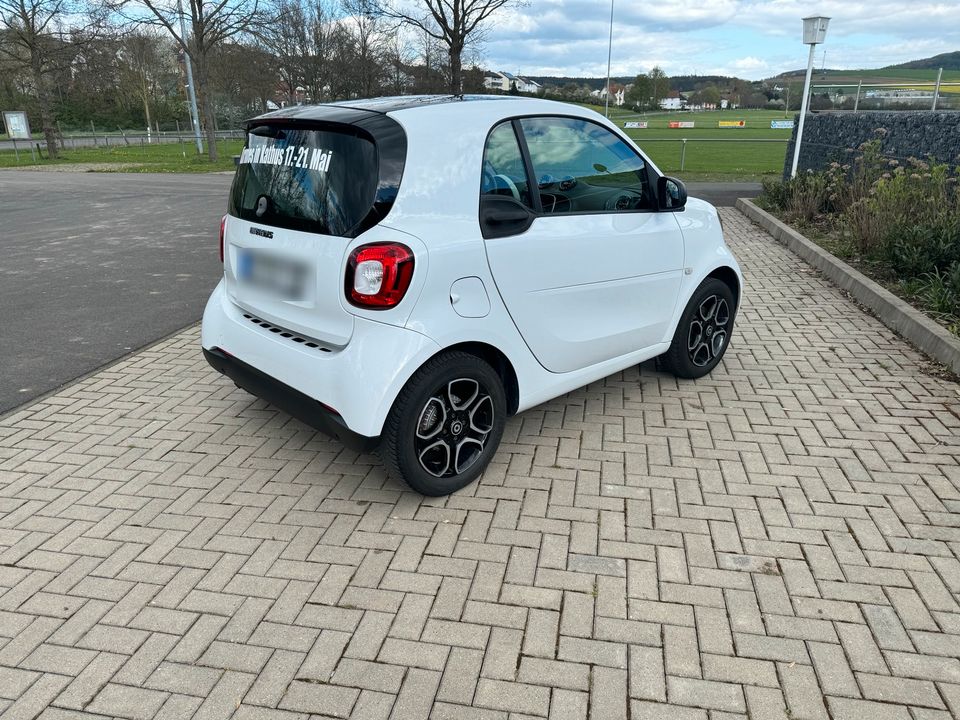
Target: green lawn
(167, 157)
(705, 158)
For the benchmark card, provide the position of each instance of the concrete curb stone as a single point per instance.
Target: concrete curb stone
(898, 315)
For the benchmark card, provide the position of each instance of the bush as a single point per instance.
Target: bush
(904, 218)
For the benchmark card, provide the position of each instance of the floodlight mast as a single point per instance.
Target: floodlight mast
(606, 103)
(814, 33)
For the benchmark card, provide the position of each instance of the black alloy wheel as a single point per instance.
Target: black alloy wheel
(445, 425)
(704, 331)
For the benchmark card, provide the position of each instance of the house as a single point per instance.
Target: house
(673, 101)
(618, 94)
(503, 81)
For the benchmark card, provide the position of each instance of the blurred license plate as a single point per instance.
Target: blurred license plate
(278, 276)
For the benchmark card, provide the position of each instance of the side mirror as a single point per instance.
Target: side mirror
(502, 216)
(671, 194)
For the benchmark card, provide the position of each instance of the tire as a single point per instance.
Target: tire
(704, 331)
(436, 439)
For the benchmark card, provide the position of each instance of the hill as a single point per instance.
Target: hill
(947, 61)
(924, 70)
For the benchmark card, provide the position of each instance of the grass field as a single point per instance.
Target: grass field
(168, 157)
(710, 154)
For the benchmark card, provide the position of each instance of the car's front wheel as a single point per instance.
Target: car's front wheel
(445, 425)
(704, 331)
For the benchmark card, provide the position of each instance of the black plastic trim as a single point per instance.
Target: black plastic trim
(382, 105)
(533, 187)
(292, 401)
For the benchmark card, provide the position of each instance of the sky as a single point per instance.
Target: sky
(752, 39)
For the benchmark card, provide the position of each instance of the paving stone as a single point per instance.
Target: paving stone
(554, 673)
(127, 702)
(848, 709)
(310, 697)
(904, 691)
(706, 694)
(416, 696)
(513, 697)
(774, 542)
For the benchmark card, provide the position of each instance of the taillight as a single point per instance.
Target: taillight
(378, 275)
(223, 228)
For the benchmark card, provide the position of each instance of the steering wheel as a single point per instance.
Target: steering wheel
(511, 186)
(628, 199)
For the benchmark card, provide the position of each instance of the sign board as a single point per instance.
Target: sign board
(732, 123)
(681, 124)
(781, 124)
(635, 125)
(18, 127)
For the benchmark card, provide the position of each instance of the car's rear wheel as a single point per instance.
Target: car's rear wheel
(704, 331)
(445, 425)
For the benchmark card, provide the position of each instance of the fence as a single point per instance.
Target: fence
(888, 95)
(132, 139)
(120, 139)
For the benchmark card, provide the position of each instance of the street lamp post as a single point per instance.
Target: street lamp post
(192, 92)
(814, 32)
(606, 103)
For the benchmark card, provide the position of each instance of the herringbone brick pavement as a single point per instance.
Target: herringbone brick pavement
(775, 541)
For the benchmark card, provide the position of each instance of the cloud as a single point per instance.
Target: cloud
(749, 38)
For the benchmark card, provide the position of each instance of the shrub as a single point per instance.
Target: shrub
(903, 217)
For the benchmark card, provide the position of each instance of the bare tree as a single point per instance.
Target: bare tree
(288, 36)
(37, 41)
(398, 55)
(368, 44)
(139, 59)
(453, 22)
(210, 23)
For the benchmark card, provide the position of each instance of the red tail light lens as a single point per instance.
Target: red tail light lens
(378, 275)
(223, 229)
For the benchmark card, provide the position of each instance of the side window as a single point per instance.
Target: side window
(503, 169)
(583, 167)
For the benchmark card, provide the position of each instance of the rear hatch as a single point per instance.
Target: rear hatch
(304, 188)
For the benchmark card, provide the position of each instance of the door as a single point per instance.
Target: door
(597, 273)
(298, 194)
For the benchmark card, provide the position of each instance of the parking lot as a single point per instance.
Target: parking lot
(94, 265)
(774, 541)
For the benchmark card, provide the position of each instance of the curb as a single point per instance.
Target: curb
(4, 414)
(898, 315)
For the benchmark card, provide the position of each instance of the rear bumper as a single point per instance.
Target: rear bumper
(292, 401)
(356, 383)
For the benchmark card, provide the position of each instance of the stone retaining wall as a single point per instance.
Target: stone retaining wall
(832, 136)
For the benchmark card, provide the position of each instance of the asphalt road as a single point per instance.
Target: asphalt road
(96, 265)
(723, 194)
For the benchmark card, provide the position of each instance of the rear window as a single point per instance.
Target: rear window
(320, 180)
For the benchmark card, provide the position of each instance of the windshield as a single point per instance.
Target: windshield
(310, 179)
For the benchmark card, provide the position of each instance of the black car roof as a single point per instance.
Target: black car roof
(381, 105)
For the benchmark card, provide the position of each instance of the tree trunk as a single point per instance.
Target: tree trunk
(46, 116)
(456, 70)
(146, 104)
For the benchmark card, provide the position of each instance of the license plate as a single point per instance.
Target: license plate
(280, 277)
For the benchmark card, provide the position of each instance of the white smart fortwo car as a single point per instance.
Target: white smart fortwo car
(405, 273)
